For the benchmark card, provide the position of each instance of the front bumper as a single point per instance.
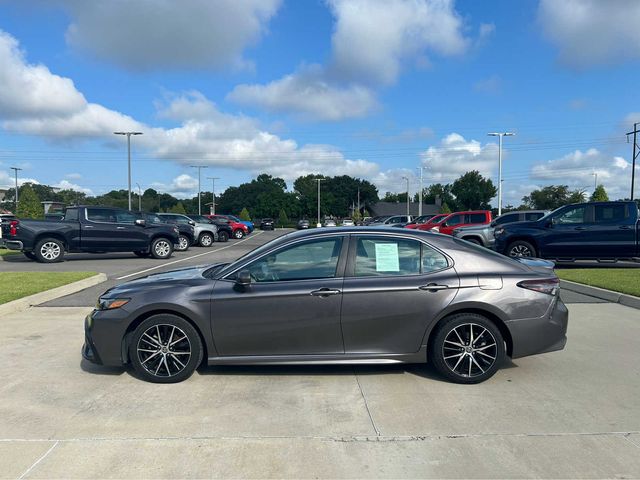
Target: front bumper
(103, 334)
(540, 335)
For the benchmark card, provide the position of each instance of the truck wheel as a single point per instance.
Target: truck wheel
(30, 255)
(141, 254)
(183, 243)
(49, 250)
(206, 239)
(238, 234)
(161, 248)
(223, 237)
(520, 248)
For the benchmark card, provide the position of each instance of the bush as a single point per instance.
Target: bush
(244, 215)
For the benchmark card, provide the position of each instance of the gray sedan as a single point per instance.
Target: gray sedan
(352, 295)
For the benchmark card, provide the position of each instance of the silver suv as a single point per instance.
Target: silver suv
(205, 233)
(391, 220)
(484, 234)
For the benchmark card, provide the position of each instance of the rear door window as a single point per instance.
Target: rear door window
(455, 220)
(533, 216)
(104, 215)
(477, 218)
(507, 218)
(611, 213)
(386, 256)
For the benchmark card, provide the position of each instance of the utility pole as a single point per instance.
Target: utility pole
(213, 194)
(636, 152)
(319, 180)
(128, 134)
(139, 197)
(199, 167)
(595, 182)
(358, 201)
(421, 168)
(500, 135)
(407, 179)
(15, 197)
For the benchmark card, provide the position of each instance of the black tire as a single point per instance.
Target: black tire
(141, 254)
(460, 359)
(161, 248)
(30, 256)
(238, 234)
(49, 250)
(158, 354)
(205, 240)
(223, 237)
(521, 248)
(183, 243)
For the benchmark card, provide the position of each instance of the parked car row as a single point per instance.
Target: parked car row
(96, 229)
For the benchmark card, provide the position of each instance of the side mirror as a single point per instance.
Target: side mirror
(243, 278)
(140, 222)
(192, 223)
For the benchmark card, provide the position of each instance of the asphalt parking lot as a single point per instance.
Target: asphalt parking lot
(570, 414)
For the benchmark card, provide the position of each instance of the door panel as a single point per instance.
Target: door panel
(613, 233)
(567, 236)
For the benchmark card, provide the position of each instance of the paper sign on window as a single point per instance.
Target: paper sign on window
(387, 258)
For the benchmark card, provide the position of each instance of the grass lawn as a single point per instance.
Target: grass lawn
(623, 280)
(14, 285)
(4, 251)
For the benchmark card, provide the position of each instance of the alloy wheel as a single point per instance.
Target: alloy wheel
(162, 248)
(183, 243)
(206, 240)
(469, 350)
(50, 250)
(164, 350)
(520, 251)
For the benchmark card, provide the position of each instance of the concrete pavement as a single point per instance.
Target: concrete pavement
(572, 413)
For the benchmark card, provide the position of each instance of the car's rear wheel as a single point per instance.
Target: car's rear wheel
(520, 248)
(206, 240)
(49, 250)
(467, 348)
(223, 237)
(165, 349)
(238, 233)
(183, 243)
(161, 248)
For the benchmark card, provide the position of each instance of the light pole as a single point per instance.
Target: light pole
(213, 194)
(407, 179)
(595, 182)
(199, 167)
(15, 198)
(139, 197)
(128, 134)
(421, 168)
(500, 135)
(319, 180)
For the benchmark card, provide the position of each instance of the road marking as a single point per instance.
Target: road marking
(39, 460)
(189, 258)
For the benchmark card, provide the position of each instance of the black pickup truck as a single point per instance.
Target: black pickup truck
(603, 231)
(89, 229)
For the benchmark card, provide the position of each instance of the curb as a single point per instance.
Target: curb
(52, 294)
(601, 293)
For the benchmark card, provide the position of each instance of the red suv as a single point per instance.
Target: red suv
(462, 219)
(239, 229)
(429, 224)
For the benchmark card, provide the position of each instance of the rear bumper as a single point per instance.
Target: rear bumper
(540, 335)
(13, 244)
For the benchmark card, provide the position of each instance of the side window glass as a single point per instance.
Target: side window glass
(531, 217)
(477, 218)
(181, 220)
(432, 260)
(314, 259)
(384, 256)
(101, 215)
(507, 218)
(455, 220)
(125, 217)
(71, 215)
(572, 216)
(610, 213)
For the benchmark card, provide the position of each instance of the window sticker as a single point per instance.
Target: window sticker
(387, 257)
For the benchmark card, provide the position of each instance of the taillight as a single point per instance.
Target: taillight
(13, 228)
(544, 285)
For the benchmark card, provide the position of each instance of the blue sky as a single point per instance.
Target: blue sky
(370, 88)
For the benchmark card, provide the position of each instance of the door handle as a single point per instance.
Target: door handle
(324, 292)
(433, 287)
(624, 227)
(88, 226)
(580, 228)
(120, 228)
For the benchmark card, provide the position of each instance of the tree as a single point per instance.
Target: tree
(283, 220)
(445, 208)
(178, 208)
(552, 197)
(244, 215)
(438, 190)
(473, 191)
(29, 205)
(599, 195)
(395, 197)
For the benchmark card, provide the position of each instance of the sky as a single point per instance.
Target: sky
(369, 88)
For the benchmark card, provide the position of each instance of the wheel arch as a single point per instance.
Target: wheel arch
(56, 236)
(473, 237)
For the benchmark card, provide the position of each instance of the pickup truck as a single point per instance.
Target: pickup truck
(483, 234)
(603, 231)
(89, 229)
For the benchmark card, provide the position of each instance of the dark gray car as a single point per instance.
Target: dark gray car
(354, 295)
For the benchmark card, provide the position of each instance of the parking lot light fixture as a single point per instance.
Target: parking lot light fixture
(199, 167)
(407, 179)
(15, 197)
(319, 180)
(128, 134)
(500, 135)
(213, 194)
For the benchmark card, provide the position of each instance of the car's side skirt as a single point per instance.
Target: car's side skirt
(375, 359)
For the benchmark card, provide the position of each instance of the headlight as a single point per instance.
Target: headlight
(111, 303)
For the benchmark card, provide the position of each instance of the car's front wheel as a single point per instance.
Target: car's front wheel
(49, 250)
(183, 243)
(238, 233)
(223, 237)
(520, 248)
(206, 240)
(467, 348)
(161, 248)
(165, 349)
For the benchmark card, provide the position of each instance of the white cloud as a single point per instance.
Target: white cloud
(67, 185)
(456, 156)
(309, 94)
(592, 32)
(158, 34)
(576, 169)
(9, 181)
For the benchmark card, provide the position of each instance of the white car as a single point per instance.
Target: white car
(329, 223)
(347, 222)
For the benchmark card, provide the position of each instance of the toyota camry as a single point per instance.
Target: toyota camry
(352, 295)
